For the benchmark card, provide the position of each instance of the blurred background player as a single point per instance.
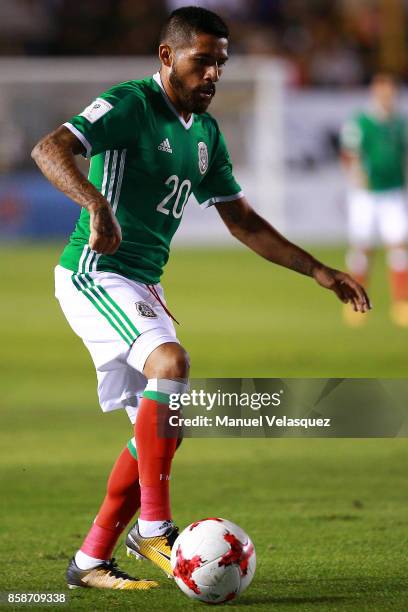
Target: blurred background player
(374, 151)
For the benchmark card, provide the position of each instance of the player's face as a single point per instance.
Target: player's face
(196, 69)
(385, 94)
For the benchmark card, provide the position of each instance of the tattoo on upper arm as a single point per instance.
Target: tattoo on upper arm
(234, 214)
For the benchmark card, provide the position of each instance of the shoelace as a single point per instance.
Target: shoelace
(112, 566)
(153, 291)
(172, 535)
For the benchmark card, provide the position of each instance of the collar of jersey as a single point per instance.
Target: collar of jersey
(185, 124)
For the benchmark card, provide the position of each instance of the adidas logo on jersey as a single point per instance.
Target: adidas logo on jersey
(165, 146)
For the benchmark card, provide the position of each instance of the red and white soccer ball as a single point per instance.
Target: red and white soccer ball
(213, 560)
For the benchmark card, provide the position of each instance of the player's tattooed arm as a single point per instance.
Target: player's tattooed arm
(55, 156)
(257, 234)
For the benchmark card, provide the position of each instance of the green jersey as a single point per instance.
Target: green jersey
(147, 161)
(382, 148)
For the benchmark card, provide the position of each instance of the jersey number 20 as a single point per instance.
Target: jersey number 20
(182, 190)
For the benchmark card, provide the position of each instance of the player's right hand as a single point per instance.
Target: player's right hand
(106, 234)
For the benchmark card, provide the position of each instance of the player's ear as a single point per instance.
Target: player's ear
(166, 55)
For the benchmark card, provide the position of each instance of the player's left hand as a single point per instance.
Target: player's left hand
(344, 286)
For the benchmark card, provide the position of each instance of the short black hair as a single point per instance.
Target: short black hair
(187, 21)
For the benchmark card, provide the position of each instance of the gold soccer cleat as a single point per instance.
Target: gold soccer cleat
(399, 313)
(105, 576)
(156, 549)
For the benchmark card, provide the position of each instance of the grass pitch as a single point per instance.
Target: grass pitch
(328, 517)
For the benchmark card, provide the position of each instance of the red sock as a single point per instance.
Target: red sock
(121, 502)
(397, 257)
(399, 285)
(155, 455)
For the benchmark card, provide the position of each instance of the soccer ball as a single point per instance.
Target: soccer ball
(213, 560)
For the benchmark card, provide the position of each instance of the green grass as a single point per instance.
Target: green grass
(328, 517)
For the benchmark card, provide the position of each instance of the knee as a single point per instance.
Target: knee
(397, 258)
(169, 360)
(357, 260)
(178, 365)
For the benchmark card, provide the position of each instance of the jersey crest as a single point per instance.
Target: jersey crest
(202, 157)
(145, 310)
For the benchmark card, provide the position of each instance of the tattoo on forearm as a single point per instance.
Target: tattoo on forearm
(102, 222)
(59, 167)
(300, 264)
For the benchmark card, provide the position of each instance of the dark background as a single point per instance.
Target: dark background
(328, 42)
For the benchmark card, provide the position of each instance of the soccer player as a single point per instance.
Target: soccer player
(375, 153)
(151, 144)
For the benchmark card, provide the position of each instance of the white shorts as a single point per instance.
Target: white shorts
(377, 214)
(120, 323)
